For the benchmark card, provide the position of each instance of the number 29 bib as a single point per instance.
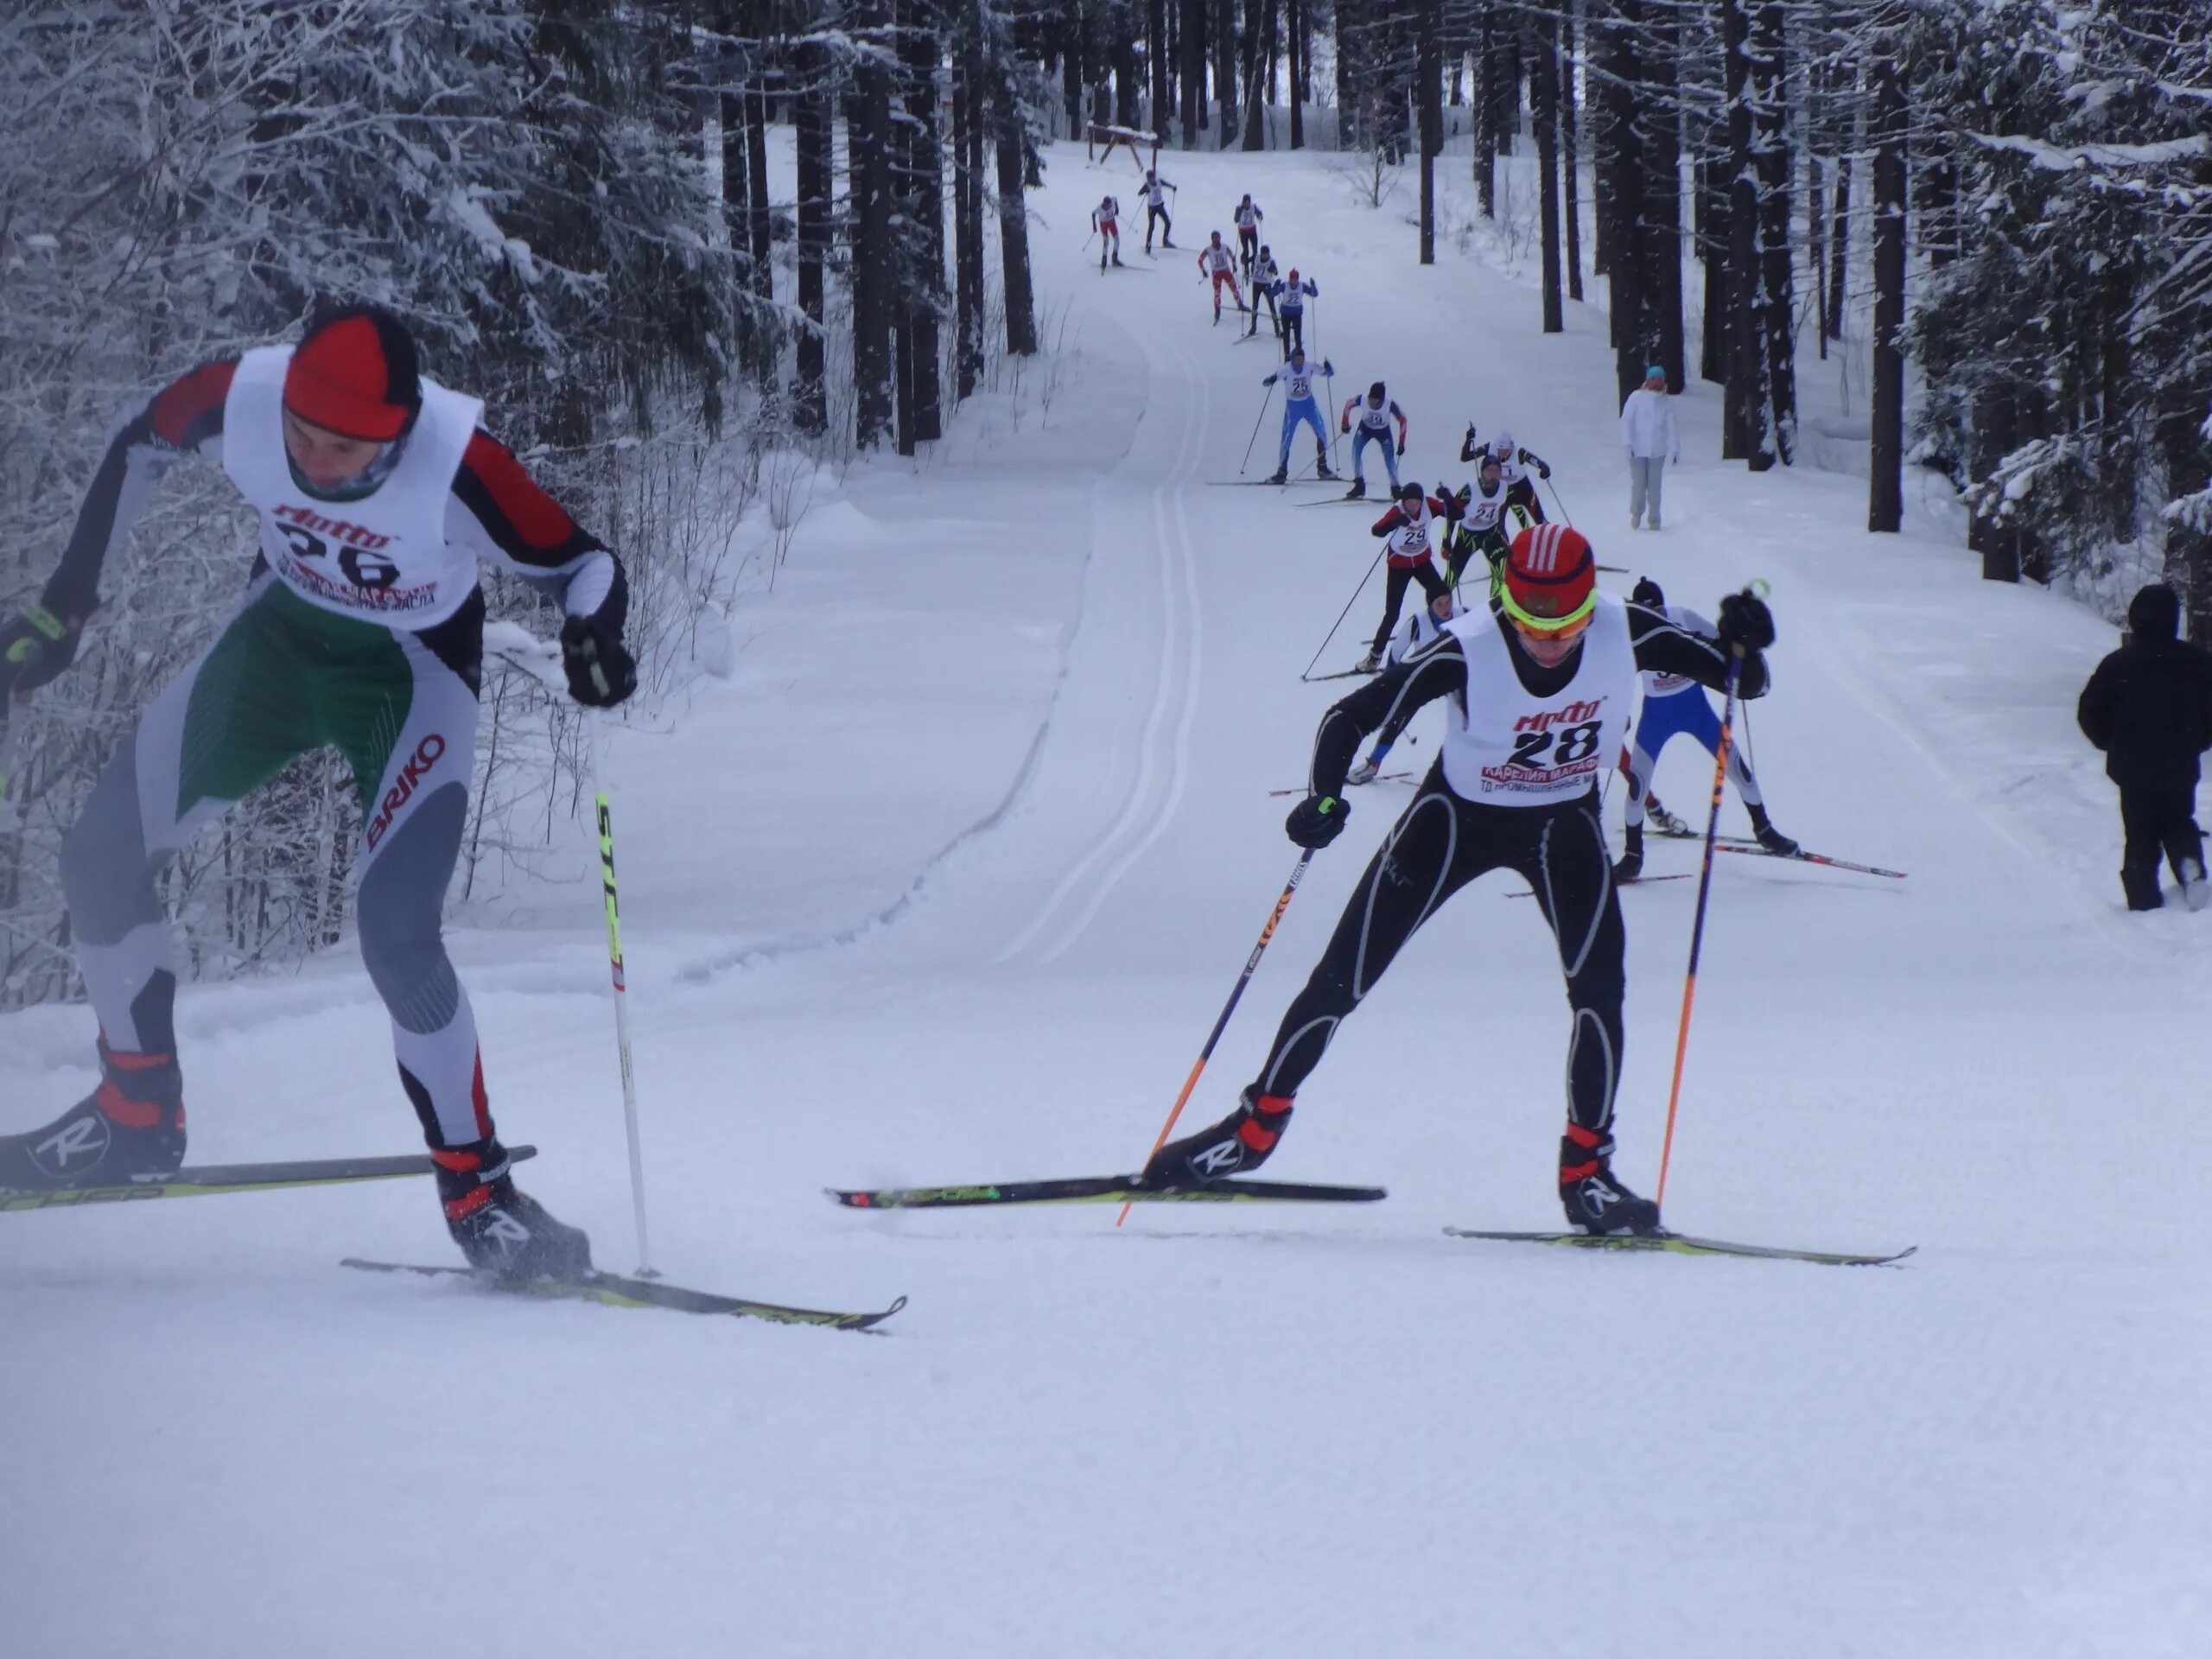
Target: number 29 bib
(1510, 747)
(383, 558)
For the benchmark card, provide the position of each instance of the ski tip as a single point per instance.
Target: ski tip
(517, 1154)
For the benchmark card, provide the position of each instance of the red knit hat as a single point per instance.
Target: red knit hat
(1551, 577)
(355, 375)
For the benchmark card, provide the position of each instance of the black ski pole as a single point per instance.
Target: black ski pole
(1266, 397)
(1344, 612)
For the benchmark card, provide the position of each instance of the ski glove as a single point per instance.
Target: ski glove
(1402, 448)
(601, 671)
(1316, 821)
(35, 646)
(1746, 622)
(1542, 471)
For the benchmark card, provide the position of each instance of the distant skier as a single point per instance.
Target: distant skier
(360, 629)
(1155, 208)
(1290, 296)
(1374, 417)
(1424, 625)
(1299, 406)
(1675, 705)
(1216, 261)
(2148, 707)
(1538, 692)
(1516, 465)
(1266, 278)
(1409, 558)
(1248, 217)
(1649, 435)
(1105, 219)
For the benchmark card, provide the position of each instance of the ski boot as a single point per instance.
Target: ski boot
(1117, 260)
(502, 1231)
(1280, 475)
(1321, 468)
(1630, 864)
(1358, 491)
(1362, 773)
(1370, 664)
(1594, 1201)
(1771, 840)
(1663, 822)
(1238, 1144)
(132, 1125)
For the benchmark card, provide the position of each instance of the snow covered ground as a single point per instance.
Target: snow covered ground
(946, 883)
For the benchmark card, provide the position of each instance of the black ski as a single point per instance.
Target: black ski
(1263, 483)
(207, 1181)
(1380, 778)
(612, 1290)
(1732, 845)
(1682, 1244)
(1101, 1189)
(1343, 674)
(1347, 501)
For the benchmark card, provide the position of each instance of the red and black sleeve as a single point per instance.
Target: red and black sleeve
(180, 418)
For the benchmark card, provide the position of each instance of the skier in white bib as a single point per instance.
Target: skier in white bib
(1266, 277)
(1216, 261)
(1155, 208)
(1248, 217)
(1483, 529)
(1424, 625)
(1410, 558)
(361, 629)
(1376, 413)
(1538, 693)
(1105, 219)
(1289, 296)
(1298, 408)
(1675, 705)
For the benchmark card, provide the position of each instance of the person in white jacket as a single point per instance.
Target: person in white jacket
(1648, 435)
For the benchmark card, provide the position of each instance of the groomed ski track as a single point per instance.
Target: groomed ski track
(947, 883)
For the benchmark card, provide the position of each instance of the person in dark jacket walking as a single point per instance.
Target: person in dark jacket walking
(2149, 707)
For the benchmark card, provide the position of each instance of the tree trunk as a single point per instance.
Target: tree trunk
(1190, 26)
(1074, 71)
(1223, 18)
(968, 211)
(1885, 481)
(1839, 247)
(1623, 160)
(1546, 100)
(1428, 75)
(1014, 215)
(811, 128)
(1570, 158)
(1157, 62)
(1745, 426)
(1713, 245)
(1294, 28)
(1259, 17)
(873, 255)
(1485, 116)
(1778, 269)
(921, 51)
(1662, 197)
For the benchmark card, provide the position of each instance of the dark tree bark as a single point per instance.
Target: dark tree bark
(872, 257)
(811, 128)
(1570, 154)
(920, 50)
(1485, 116)
(1223, 18)
(1129, 89)
(968, 211)
(1744, 419)
(1505, 83)
(1885, 484)
(1014, 215)
(1074, 71)
(1191, 26)
(1546, 100)
(1300, 73)
(760, 231)
(1839, 247)
(1428, 75)
(1777, 268)
(1713, 246)
(1158, 61)
(1625, 164)
(1259, 16)
(1662, 128)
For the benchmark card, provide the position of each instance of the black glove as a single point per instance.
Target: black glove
(601, 671)
(1542, 471)
(1402, 448)
(1746, 622)
(1316, 821)
(35, 646)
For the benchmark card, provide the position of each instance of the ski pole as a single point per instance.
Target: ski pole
(1268, 396)
(1344, 612)
(1697, 927)
(1556, 502)
(540, 659)
(606, 818)
(1282, 903)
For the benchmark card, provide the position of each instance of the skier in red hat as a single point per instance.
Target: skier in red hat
(360, 629)
(1540, 687)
